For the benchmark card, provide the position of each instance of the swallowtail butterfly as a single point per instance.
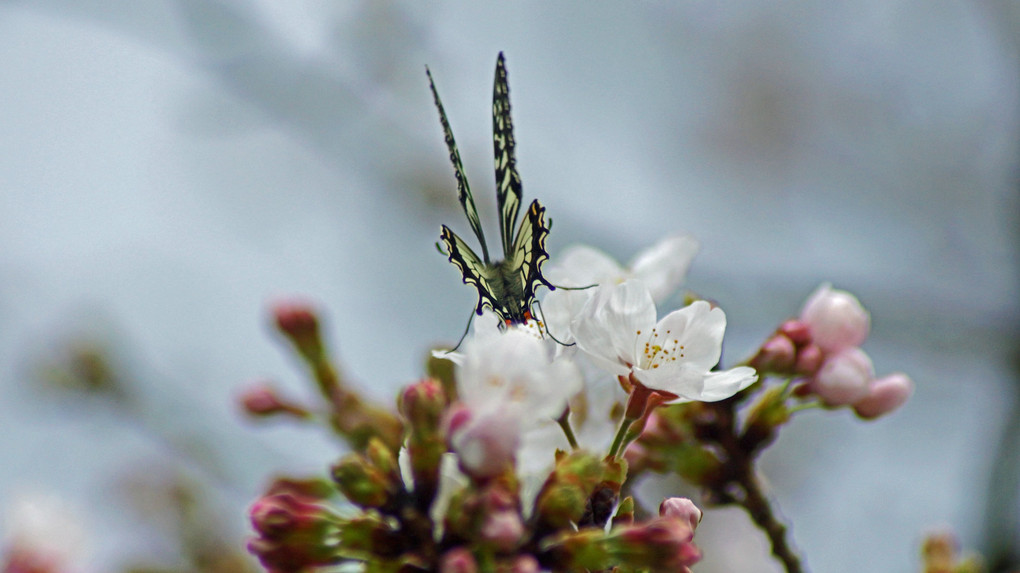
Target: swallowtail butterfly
(507, 287)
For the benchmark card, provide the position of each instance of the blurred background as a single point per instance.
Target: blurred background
(170, 167)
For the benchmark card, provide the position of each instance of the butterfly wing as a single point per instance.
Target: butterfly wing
(467, 200)
(485, 278)
(529, 253)
(508, 182)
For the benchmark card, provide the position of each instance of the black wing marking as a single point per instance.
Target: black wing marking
(529, 252)
(508, 182)
(467, 201)
(474, 271)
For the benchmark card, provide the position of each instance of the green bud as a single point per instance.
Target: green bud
(624, 512)
(565, 493)
(363, 483)
(767, 414)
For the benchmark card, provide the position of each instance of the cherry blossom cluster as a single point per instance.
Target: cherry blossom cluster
(518, 451)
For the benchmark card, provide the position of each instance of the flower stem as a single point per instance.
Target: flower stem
(758, 507)
(618, 440)
(564, 422)
(742, 473)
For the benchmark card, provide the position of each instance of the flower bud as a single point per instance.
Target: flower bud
(844, 378)
(662, 544)
(502, 529)
(564, 495)
(681, 508)
(777, 355)
(262, 400)
(836, 318)
(364, 483)
(809, 360)
(884, 395)
(525, 564)
(624, 512)
(299, 323)
(797, 331)
(486, 446)
(294, 532)
(458, 560)
(423, 405)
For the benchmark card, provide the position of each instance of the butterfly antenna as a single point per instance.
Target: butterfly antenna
(576, 288)
(466, 330)
(546, 325)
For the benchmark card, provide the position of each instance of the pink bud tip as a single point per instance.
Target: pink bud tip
(458, 560)
(503, 529)
(681, 508)
(296, 319)
(844, 378)
(809, 360)
(525, 564)
(263, 400)
(836, 318)
(778, 354)
(796, 330)
(885, 395)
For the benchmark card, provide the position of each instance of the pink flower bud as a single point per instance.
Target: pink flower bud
(263, 400)
(681, 508)
(486, 446)
(884, 395)
(809, 360)
(844, 378)
(299, 322)
(662, 544)
(836, 318)
(525, 564)
(503, 530)
(796, 330)
(458, 560)
(778, 354)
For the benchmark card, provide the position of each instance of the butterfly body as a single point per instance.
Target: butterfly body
(506, 286)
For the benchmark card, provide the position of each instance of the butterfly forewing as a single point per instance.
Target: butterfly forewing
(508, 182)
(467, 201)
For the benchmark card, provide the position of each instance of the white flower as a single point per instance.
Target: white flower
(507, 382)
(662, 268)
(617, 330)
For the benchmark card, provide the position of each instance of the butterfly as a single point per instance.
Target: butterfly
(507, 287)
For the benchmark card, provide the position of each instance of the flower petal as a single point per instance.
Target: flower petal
(698, 329)
(663, 267)
(581, 265)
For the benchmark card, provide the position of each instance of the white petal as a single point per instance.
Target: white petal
(629, 315)
(698, 329)
(678, 379)
(663, 267)
(560, 308)
(609, 325)
(581, 265)
(723, 384)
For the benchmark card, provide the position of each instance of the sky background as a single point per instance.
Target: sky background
(168, 168)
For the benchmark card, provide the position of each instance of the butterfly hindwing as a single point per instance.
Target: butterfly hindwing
(484, 277)
(529, 251)
(508, 181)
(467, 201)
